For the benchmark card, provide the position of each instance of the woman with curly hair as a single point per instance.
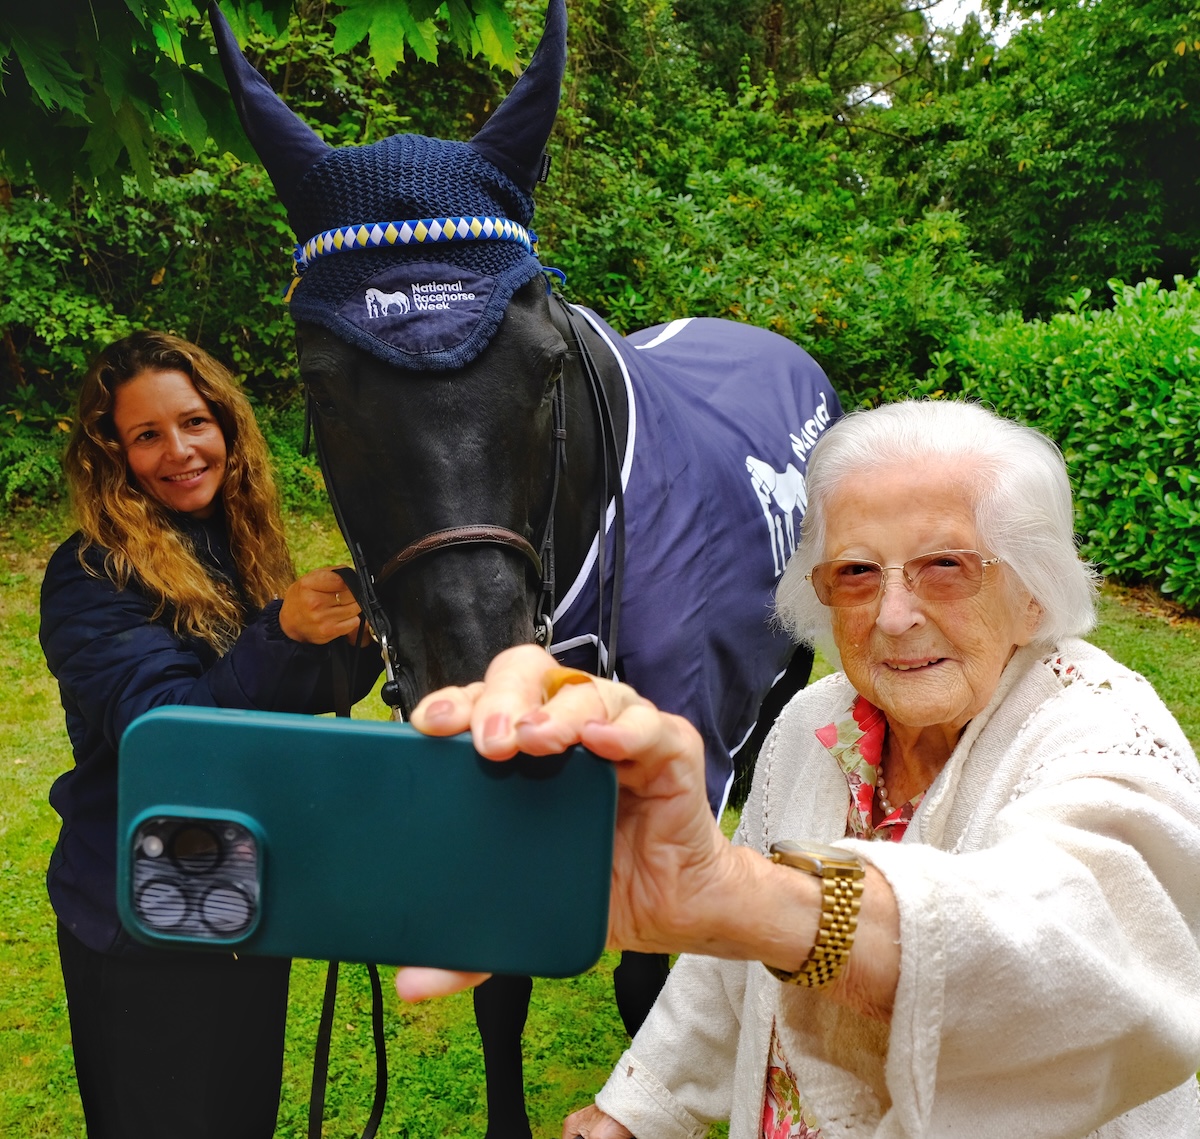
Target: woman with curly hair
(177, 588)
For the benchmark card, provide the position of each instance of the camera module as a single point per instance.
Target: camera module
(195, 878)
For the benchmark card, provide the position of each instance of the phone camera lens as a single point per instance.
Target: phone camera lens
(195, 850)
(162, 904)
(226, 909)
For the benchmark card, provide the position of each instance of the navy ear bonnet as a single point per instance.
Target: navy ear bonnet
(428, 295)
(425, 306)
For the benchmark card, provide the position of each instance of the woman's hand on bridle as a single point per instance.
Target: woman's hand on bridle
(319, 608)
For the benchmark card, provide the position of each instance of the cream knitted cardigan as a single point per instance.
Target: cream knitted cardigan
(1049, 897)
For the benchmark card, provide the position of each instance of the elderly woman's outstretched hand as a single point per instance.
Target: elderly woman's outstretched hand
(671, 865)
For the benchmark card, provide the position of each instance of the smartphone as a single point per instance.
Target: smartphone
(356, 840)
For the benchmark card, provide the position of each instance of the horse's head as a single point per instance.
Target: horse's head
(420, 456)
(431, 356)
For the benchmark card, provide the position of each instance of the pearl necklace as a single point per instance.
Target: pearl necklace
(885, 803)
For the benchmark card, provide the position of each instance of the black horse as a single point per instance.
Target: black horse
(506, 468)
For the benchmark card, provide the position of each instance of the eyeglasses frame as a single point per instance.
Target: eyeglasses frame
(909, 583)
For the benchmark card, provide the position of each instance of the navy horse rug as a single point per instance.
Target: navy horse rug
(722, 417)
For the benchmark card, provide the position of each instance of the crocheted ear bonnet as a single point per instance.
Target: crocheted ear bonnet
(368, 218)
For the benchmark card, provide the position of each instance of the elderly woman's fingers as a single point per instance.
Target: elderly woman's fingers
(563, 719)
(514, 691)
(647, 745)
(591, 1123)
(527, 702)
(511, 688)
(446, 711)
(418, 983)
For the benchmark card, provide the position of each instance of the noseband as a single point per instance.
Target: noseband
(367, 583)
(458, 536)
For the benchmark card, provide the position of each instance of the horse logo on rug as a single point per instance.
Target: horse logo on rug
(783, 491)
(379, 304)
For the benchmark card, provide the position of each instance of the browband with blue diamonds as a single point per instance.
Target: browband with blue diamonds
(372, 235)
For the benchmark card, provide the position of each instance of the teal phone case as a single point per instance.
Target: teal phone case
(357, 840)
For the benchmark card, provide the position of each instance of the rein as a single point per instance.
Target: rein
(610, 451)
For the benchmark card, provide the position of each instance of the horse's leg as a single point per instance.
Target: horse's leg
(787, 507)
(637, 981)
(501, 1006)
(780, 544)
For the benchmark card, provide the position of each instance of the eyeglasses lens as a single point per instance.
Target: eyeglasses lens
(947, 575)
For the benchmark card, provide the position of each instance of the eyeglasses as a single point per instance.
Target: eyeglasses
(947, 575)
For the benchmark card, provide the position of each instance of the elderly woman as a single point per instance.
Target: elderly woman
(964, 898)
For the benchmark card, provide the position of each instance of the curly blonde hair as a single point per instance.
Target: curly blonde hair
(135, 530)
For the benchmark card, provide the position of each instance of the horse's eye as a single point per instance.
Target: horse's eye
(321, 399)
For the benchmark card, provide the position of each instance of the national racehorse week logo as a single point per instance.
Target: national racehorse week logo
(422, 296)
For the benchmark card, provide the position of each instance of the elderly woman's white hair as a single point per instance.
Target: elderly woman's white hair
(1017, 479)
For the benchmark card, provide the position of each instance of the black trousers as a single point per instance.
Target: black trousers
(176, 1045)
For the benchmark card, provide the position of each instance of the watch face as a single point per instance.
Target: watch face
(814, 857)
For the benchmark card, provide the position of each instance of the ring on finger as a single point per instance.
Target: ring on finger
(556, 678)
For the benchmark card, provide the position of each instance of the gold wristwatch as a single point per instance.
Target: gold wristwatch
(841, 873)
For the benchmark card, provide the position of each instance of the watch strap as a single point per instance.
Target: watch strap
(842, 880)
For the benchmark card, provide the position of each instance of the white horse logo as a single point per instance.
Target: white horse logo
(784, 490)
(378, 303)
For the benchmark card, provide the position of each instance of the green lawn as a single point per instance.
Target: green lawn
(574, 1034)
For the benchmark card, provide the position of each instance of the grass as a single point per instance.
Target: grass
(573, 1036)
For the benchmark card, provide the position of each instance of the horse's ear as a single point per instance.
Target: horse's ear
(515, 137)
(287, 145)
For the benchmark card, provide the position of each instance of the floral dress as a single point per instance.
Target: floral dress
(856, 743)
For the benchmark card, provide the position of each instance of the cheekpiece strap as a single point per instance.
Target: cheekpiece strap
(423, 231)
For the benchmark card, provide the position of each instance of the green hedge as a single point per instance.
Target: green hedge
(1119, 390)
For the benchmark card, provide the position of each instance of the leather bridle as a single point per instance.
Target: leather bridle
(365, 584)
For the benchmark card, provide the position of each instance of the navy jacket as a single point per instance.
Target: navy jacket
(112, 663)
